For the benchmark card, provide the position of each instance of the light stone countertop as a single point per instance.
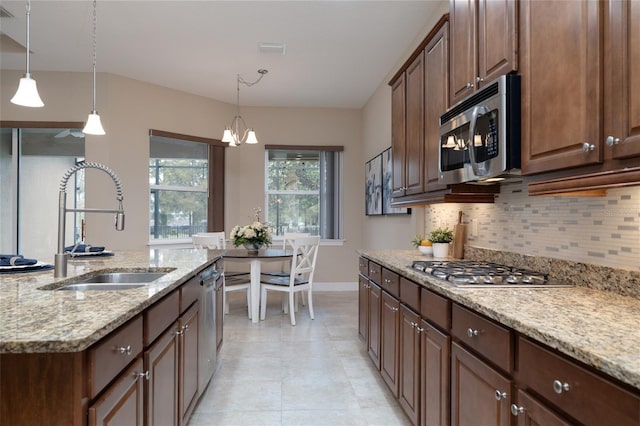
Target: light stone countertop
(35, 320)
(598, 328)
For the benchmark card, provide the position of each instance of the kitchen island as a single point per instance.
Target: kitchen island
(587, 339)
(80, 357)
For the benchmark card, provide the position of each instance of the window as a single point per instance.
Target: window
(304, 190)
(178, 180)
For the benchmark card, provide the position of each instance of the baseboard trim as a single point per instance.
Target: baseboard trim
(335, 286)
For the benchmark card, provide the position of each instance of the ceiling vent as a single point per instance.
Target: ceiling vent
(279, 48)
(4, 13)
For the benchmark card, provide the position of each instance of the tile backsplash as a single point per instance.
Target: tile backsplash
(597, 230)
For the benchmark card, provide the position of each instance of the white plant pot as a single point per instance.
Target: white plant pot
(440, 250)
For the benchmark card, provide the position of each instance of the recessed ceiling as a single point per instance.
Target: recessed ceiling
(337, 52)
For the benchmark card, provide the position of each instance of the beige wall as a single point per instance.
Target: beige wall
(129, 108)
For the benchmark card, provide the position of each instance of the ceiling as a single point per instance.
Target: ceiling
(337, 52)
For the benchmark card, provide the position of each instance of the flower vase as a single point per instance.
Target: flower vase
(253, 247)
(440, 250)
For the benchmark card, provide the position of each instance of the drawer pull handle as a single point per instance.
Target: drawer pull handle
(587, 147)
(144, 375)
(612, 140)
(419, 329)
(500, 395)
(413, 324)
(471, 332)
(125, 349)
(469, 86)
(515, 410)
(185, 328)
(394, 309)
(559, 387)
(179, 332)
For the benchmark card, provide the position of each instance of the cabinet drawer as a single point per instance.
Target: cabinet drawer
(363, 266)
(435, 309)
(160, 316)
(189, 293)
(375, 273)
(112, 354)
(390, 282)
(587, 397)
(484, 336)
(410, 294)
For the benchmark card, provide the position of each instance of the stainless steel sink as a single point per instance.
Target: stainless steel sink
(114, 281)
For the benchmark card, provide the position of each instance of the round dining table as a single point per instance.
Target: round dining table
(256, 259)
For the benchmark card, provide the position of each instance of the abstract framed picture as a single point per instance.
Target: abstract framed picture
(387, 176)
(373, 186)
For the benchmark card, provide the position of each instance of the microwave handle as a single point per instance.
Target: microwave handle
(477, 112)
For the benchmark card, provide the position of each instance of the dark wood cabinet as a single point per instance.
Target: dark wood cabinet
(374, 336)
(398, 135)
(436, 95)
(484, 43)
(122, 403)
(409, 382)
(363, 308)
(390, 345)
(188, 368)
(161, 386)
(435, 385)
(530, 411)
(480, 395)
(414, 140)
(219, 312)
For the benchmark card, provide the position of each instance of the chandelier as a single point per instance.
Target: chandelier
(238, 133)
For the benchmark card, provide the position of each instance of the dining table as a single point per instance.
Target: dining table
(256, 259)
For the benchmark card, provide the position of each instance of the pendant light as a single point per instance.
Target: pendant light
(94, 126)
(238, 133)
(27, 93)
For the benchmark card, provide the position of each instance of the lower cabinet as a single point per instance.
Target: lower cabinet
(188, 372)
(374, 335)
(122, 403)
(480, 395)
(389, 349)
(363, 308)
(219, 312)
(435, 388)
(530, 411)
(162, 362)
(409, 393)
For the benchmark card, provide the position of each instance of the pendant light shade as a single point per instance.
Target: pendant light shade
(94, 125)
(238, 133)
(27, 93)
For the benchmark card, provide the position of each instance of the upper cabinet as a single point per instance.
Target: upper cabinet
(580, 94)
(484, 41)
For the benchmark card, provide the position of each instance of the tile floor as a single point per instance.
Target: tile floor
(316, 373)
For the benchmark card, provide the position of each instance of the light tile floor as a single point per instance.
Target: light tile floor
(316, 373)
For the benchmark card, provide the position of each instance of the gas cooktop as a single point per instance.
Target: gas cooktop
(483, 274)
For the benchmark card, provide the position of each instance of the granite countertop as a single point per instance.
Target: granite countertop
(36, 320)
(598, 328)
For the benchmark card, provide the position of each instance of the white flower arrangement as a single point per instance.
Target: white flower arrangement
(256, 235)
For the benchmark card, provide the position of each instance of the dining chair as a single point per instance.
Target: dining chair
(231, 281)
(299, 278)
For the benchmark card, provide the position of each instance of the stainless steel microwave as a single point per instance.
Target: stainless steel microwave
(480, 135)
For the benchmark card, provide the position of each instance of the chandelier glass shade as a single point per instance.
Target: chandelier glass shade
(239, 133)
(94, 125)
(27, 93)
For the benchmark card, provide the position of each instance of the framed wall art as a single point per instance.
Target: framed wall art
(387, 176)
(373, 186)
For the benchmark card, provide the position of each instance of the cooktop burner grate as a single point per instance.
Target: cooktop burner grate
(483, 274)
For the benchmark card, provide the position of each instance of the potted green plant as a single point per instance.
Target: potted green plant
(440, 238)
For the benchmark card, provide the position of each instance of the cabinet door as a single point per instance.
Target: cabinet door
(219, 314)
(188, 379)
(373, 346)
(532, 412)
(479, 394)
(398, 136)
(390, 345)
(414, 142)
(497, 39)
(122, 402)
(561, 88)
(462, 15)
(622, 79)
(161, 361)
(436, 94)
(363, 308)
(410, 363)
(434, 374)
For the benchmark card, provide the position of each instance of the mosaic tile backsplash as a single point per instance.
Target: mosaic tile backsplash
(596, 230)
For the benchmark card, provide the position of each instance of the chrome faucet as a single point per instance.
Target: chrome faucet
(60, 257)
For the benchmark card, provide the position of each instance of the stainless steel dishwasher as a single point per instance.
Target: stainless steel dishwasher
(208, 342)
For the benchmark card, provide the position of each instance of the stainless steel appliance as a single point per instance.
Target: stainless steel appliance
(207, 326)
(483, 274)
(480, 136)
